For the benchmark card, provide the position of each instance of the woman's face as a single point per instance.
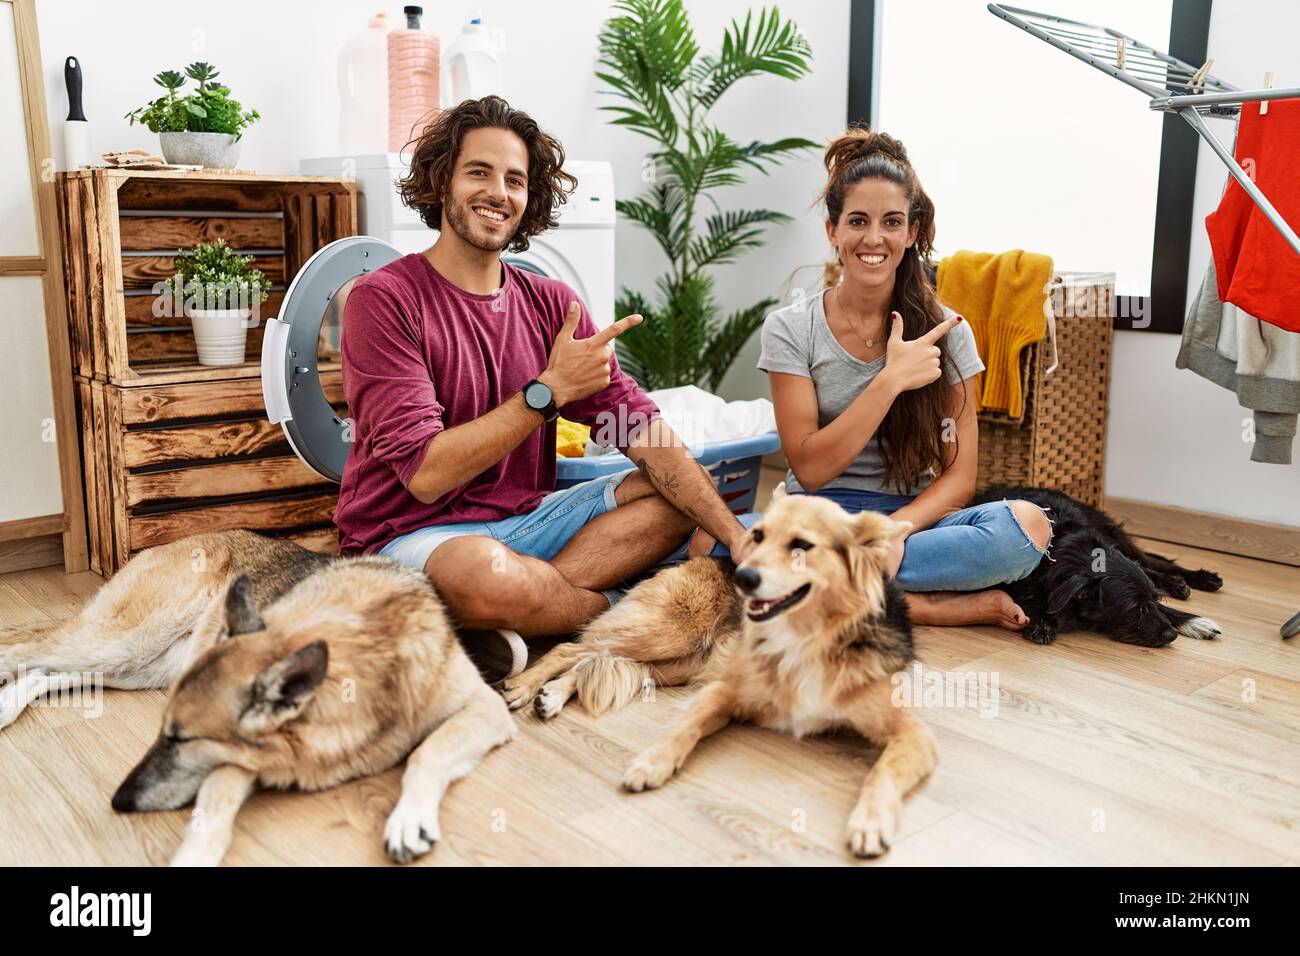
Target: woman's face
(873, 232)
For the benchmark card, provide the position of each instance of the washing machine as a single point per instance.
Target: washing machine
(305, 338)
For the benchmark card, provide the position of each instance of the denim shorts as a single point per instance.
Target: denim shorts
(541, 533)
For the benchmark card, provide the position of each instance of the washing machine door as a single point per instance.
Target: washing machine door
(544, 259)
(305, 340)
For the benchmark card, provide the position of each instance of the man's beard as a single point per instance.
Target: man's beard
(461, 219)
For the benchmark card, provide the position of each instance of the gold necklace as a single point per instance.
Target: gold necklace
(869, 343)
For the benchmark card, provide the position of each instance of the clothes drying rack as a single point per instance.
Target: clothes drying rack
(1173, 86)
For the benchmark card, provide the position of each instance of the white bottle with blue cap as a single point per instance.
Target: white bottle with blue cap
(472, 66)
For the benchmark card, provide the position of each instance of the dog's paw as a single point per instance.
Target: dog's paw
(1039, 632)
(871, 832)
(648, 771)
(1176, 587)
(200, 847)
(1201, 628)
(411, 832)
(195, 856)
(14, 697)
(549, 702)
(1203, 580)
(517, 693)
(11, 705)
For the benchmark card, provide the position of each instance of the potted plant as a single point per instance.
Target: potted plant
(222, 293)
(201, 128)
(649, 58)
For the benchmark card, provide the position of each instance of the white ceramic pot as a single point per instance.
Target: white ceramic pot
(220, 334)
(211, 150)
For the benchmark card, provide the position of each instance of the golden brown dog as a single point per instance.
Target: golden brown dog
(809, 644)
(290, 670)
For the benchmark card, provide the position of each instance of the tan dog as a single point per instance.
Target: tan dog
(810, 646)
(290, 669)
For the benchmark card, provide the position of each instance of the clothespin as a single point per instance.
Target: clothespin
(1268, 85)
(1120, 44)
(1198, 78)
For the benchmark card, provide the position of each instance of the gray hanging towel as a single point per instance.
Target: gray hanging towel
(1258, 361)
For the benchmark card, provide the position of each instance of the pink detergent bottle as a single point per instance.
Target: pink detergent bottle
(412, 80)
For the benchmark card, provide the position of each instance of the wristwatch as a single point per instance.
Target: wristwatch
(539, 397)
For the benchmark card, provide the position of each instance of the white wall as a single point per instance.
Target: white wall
(1176, 438)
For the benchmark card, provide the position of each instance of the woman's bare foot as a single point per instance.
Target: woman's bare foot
(949, 608)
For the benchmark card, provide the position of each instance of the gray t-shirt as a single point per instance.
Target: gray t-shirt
(797, 341)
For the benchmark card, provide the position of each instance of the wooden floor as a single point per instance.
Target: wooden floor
(1098, 753)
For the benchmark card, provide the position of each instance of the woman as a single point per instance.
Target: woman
(873, 384)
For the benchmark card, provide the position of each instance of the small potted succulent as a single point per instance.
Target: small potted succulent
(222, 293)
(201, 128)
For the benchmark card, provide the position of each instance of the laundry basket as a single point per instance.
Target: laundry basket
(735, 466)
(1060, 442)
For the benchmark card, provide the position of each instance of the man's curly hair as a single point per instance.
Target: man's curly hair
(438, 145)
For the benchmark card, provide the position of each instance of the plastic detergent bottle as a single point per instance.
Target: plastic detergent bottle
(363, 90)
(472, 64)
(412, 80)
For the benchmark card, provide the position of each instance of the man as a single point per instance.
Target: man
(455, 366)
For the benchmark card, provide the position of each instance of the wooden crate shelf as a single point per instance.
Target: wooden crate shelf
(122, 229)
(165, 461)
(170, 447)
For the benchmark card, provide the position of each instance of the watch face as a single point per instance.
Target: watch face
(537, 396)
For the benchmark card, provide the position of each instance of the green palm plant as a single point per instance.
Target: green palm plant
(650, 60)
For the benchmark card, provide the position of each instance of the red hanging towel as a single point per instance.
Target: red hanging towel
(1257, 269)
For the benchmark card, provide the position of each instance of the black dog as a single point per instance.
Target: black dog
(1096, 578)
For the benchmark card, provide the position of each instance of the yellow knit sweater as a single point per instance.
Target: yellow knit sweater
(1004, 298)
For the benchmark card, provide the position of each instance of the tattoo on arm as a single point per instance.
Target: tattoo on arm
(665, 484)
(673, 486)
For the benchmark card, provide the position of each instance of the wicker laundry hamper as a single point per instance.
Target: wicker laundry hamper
(1060, 442)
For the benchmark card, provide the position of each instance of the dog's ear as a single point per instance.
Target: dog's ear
(1066, 592)
(282, 690)
(874, 530)
(241, 611)
(874, 535)
(900, 528)
(778, 493)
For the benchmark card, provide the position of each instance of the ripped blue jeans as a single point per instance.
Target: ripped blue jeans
(976, 548)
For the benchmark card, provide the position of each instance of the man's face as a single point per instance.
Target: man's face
(488, 191)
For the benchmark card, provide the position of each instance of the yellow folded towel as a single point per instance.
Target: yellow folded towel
(570, 438)
(1004, 298)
